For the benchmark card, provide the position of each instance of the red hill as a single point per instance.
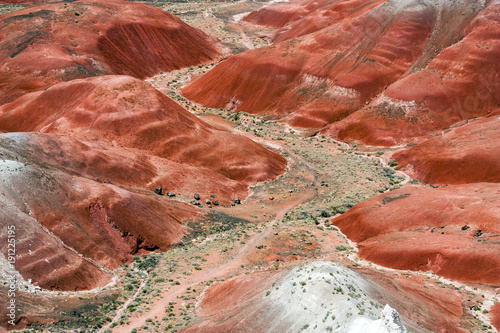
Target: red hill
(465, 154)
(304, 17)
(451, 231)
(50, 43)
(460, 82)
(105, 144)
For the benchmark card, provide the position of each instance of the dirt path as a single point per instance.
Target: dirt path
(225, 268)
(126, 304)
(245, 40)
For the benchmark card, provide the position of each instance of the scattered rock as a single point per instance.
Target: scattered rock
(208, 202)
(465, 227)
(237, 201)
(171, 194)
(158, 190)
(215, 203)
(391, 320)
(478, 233)
(271, 198)
(197, 196)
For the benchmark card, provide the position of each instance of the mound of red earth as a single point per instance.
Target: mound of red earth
(452, 231)
(88, 178)
(324, 76)
(465, 154)
(127, 112)
(241, 302)
(51, 43)
(461, 82)
(495, 315)
(304, 17)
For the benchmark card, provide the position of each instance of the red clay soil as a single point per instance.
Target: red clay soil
(322, 77)
(45, 307)
(304, 17)
(234, 304)
(465, 154)
(21, 1)
(278, 15)
(106, 144)
(230, 305)
(495, 316)
(51, 43)
(435, 308)
(40, 257)
(97, 219)
(461, 82)
(127, 112)
(451, 231)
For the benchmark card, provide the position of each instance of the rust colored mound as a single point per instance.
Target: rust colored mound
(466, 154)
(304, 17)
(452, 231)
(104, 223)
(127, 112)
(50, 43)
(324, 76)
(431, 307)
(40, 256)
(461, 82)
(495, 315)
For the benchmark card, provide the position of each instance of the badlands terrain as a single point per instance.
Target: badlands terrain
(250, 166)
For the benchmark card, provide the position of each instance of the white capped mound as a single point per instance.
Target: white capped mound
(327, 297)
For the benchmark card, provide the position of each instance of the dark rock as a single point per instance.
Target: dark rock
(197, 196)
(212, 196)
(215, 203)
(478, 233)
(208, 202)
(237, 201)
(171, 194)
(158, 190)
(465, 227)
(271, 198)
